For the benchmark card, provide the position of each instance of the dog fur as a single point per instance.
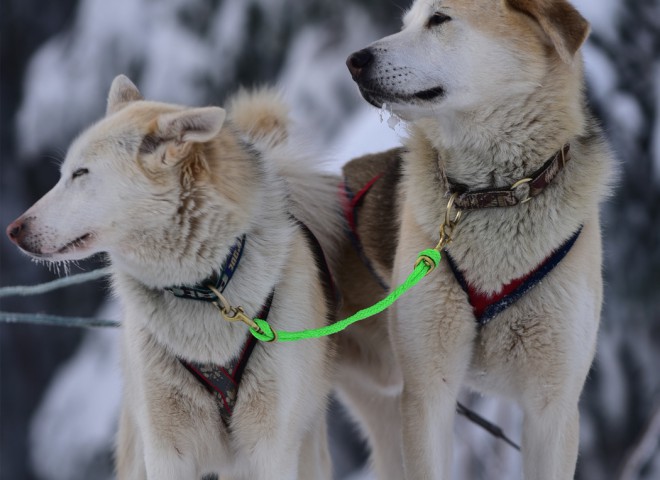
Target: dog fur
(165, 190)
(490, 90)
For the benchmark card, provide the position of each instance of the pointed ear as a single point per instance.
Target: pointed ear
(560, 21)
(122, 92)
(192, 125)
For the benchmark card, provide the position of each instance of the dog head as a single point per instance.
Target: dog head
(455, 55)
(119, 179)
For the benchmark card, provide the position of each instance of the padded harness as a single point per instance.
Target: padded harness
(485, 307)
(223, 381)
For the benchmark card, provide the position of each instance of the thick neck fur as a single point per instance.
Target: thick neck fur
(495, 147)
(227, 190)
(503, 141)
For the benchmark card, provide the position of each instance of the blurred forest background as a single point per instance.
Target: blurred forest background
(59, 387)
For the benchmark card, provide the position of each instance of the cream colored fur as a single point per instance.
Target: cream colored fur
(165, 190)
(500, 90)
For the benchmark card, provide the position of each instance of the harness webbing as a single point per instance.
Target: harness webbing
(351, 203)
(223, 381)
(486, 307)
(219, 279)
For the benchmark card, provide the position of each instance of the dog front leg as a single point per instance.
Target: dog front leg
(129, 456)
(169, 462)
(432, 331)
(550, 442)
(379, 415)
(314, 459)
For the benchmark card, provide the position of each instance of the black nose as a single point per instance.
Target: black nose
(358, 61)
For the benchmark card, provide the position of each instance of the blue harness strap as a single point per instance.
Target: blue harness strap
(222, 381)
(219, 279)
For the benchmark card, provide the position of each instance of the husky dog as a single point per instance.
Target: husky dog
(493, 95)
(180, 198)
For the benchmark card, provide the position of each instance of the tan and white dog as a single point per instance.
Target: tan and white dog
(166, 190)
(493, 94)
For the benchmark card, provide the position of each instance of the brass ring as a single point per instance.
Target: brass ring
(450, 204)
(428, 261)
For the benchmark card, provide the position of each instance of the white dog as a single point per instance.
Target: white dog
(493, 93)
(181, 199)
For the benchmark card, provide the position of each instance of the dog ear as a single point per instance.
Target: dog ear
(122, 92)
(195, 125)
(560, 21)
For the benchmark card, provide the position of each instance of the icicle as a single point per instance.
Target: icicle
(382, 112)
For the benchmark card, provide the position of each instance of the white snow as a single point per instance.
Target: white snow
(67, 81)
(314, 80)
(364, 132)
(78, 415)
(601, 14)
(599, 70)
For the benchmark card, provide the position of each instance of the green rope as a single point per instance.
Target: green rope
(423, 268)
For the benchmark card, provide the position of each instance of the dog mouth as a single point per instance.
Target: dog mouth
(377, 97)
(430, 94)
(76, 244)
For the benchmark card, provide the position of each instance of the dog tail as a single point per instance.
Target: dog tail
(313, 194)
(261, 115)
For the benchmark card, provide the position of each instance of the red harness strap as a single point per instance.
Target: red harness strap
(486, 307)
(350, 203)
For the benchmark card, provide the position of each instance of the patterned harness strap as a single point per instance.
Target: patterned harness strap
(219, 280)
(223, 381)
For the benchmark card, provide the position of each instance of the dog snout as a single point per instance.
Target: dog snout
(16, 231)
(359, 61)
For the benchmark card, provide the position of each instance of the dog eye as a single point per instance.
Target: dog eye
(80, 172)
(438, 19)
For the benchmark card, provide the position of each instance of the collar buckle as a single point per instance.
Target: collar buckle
(523, 181)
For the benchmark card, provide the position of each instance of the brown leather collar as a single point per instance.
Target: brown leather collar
(520, 192)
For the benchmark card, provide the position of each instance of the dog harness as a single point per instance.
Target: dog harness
(485, 306)
(351, 205)
(219, 279)
(223, 381)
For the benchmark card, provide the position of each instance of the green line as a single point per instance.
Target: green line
(422, 269)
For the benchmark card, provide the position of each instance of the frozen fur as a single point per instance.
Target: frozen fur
(491, 90)
(165, 190)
